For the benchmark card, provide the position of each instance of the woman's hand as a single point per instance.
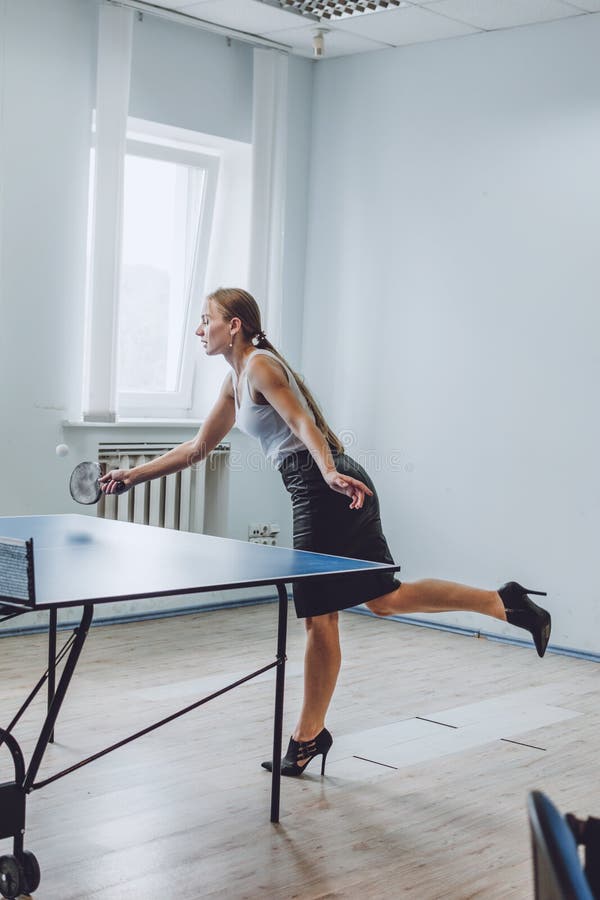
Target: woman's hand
(117, 481)
(351, 487)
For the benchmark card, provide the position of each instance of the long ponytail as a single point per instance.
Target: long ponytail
(236, 303)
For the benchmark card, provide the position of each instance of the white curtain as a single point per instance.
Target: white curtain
(269, 137)
(112, 100)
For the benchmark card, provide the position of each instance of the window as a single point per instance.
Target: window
(184, 229)
(168, 203)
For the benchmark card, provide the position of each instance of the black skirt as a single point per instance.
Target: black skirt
(324, 523)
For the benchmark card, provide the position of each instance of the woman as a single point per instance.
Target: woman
(266, 399)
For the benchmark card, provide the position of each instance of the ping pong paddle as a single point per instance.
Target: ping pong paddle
(84, 485)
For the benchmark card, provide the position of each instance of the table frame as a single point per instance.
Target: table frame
(20, 873)
(13, 794)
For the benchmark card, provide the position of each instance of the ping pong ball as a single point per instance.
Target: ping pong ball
(62, 450)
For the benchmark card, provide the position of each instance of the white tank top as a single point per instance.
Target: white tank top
(263, 422)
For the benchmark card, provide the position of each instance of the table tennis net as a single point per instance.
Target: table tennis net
(16, 570)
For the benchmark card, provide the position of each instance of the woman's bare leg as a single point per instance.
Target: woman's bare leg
(322, 660)
(432, 595)
(322, 657)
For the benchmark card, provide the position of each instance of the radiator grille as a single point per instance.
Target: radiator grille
(174, 501)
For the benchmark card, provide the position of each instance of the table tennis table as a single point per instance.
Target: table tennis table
(81, 561)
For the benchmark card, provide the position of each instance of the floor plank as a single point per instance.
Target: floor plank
(429, 811)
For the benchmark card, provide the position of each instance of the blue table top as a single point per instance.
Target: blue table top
(82, 559)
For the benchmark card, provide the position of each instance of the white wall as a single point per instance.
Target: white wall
(453, 276)
(299, 131)
(47, 96)
(190, 78)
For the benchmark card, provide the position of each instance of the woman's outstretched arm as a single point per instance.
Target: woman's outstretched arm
(217, 424)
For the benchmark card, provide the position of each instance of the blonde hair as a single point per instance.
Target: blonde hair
(235, 303)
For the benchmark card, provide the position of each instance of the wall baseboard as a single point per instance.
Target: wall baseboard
(261, 601)
(472, 632)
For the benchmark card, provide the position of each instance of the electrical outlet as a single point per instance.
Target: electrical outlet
(262, 529)
(267, 541)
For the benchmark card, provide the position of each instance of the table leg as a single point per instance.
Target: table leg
(279, 690)
(59, 696)
(52, 662)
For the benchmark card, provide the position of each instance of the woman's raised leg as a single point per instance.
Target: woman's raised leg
(432, 595)
(510, 603)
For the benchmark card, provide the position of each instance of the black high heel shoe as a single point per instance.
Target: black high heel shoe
(299, 751)
(524, 613)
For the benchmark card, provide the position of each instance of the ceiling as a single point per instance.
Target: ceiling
(410, 22)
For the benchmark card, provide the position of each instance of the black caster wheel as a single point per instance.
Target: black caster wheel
(12, 877)
(31, 868)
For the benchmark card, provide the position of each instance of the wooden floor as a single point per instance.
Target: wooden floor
(457, 731)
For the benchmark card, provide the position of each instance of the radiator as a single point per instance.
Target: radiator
(195, 499)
